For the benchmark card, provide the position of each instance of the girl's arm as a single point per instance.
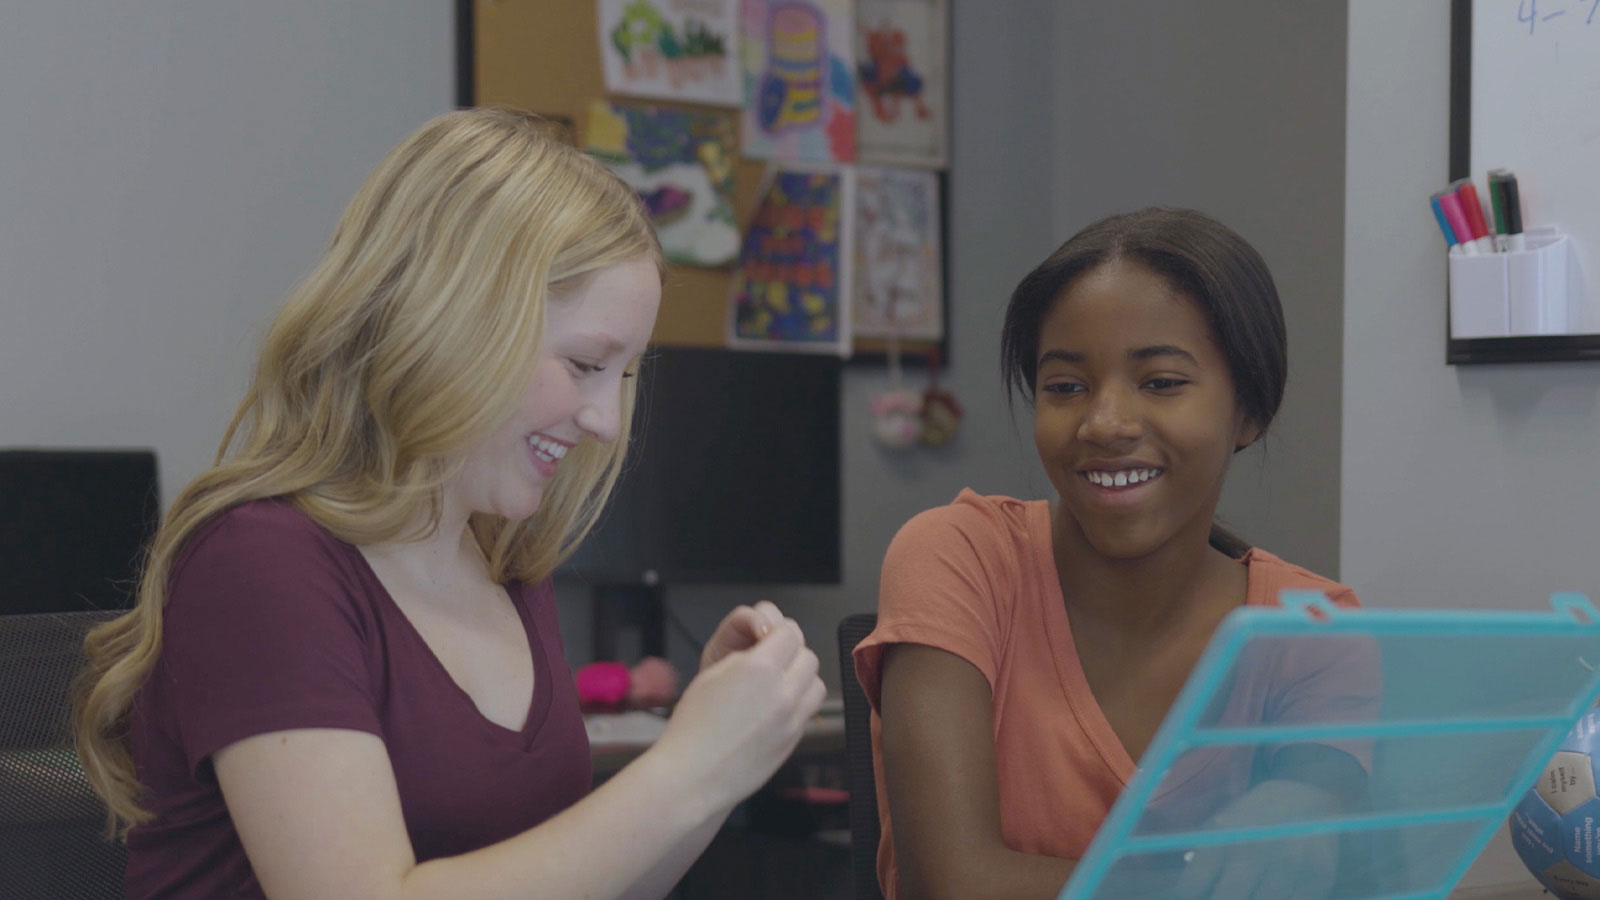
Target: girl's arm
(319, 814)
(939, 773)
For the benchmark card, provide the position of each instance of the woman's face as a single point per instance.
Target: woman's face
(594, 334)
(1136, 416)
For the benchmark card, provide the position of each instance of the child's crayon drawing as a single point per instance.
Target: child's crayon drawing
(681, 163)
(680, 50)
(792, 289)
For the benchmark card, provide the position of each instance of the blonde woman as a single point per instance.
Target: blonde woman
(343, 677)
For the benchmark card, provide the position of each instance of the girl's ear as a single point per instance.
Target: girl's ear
(1248, 433)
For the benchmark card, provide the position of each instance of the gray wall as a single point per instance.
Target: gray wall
(1235, 108)
(167, 172)
(1463, 487)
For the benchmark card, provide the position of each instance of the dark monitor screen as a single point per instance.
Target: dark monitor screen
(73, 527)
(733, 475)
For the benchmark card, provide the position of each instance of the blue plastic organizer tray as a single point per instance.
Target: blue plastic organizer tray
(1441, 722)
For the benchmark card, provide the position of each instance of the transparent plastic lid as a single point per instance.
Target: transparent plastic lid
(1319, 753)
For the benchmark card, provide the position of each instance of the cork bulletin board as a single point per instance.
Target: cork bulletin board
(542, 56)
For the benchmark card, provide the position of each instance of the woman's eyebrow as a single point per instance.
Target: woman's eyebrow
(606, 343)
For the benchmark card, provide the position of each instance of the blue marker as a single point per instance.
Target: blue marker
(1444, 222)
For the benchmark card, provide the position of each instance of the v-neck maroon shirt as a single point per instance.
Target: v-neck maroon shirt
(272, 624)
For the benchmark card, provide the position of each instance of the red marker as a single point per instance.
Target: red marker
(1473, 210)
(1450, 202)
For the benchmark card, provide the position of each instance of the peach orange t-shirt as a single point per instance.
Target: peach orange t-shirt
(977, 578)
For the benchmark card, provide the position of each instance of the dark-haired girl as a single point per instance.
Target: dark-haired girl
(1026, 651)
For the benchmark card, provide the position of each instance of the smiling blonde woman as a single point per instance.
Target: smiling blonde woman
(343, 676)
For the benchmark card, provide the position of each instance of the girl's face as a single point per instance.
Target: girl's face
(1135, 414)
(594, 334)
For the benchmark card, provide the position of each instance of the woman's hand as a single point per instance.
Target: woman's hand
(742, 716)
(740, 630)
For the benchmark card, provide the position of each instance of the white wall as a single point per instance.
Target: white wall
(1462, 486)
(168, 171)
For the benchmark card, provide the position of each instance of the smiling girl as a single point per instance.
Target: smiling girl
(343, 676)
(1026, 651)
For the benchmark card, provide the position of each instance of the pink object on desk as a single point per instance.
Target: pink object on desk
(602, 685)
(654, 682)
(612, 686)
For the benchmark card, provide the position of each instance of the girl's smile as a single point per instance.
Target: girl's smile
(1136, 418)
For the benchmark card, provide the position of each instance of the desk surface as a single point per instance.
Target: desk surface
(617, 739)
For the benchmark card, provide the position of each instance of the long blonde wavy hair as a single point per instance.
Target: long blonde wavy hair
(416, 333)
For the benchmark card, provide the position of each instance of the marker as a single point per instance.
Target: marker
(1444, 222)
(1513, 201)
(1467, 194)
(1458, 222)
(1497, 202)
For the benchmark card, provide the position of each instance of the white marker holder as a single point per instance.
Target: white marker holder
(1536, 290)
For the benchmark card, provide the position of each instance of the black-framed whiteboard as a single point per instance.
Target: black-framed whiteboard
(1525, 96)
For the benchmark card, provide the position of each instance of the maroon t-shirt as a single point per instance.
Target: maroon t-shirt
(273, 623)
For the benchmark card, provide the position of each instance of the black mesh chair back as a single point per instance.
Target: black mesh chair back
(864, 828)
(73, 526)
(52, 825)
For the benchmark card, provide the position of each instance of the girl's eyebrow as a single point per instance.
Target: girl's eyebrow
(1140, 353)
(1066, 356)
(1158, 350)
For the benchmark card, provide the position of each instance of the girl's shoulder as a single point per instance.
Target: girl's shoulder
(1269, 575)
(972, 514)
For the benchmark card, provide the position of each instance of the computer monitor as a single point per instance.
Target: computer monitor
(732, 478)
(73, 527)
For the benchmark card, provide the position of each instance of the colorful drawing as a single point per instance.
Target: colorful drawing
(799, 80)
(887, 76)
(671, 49)
(899, 290)
(681, 163)
(792, 289)
(901, 47)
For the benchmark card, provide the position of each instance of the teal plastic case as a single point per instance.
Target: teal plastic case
(1442, 722)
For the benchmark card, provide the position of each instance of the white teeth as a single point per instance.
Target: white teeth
(1122, 478)
(548, 447)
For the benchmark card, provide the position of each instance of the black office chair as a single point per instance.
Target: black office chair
(52, 825)
(73, 525)
(864, 829)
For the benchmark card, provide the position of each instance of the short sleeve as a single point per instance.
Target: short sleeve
(264, 631)
(1329, 681)
(944, 577)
